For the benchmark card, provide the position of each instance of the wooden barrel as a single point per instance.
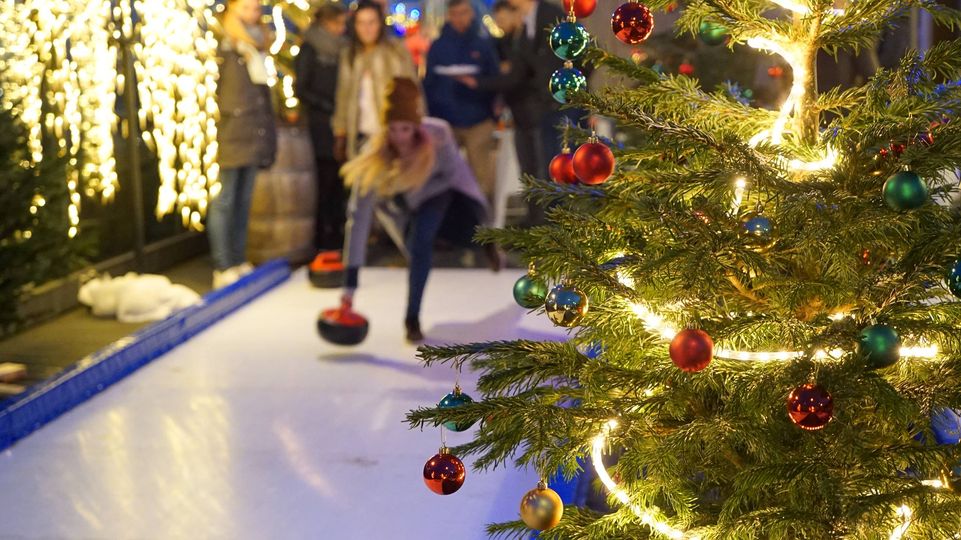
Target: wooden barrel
(282, 211)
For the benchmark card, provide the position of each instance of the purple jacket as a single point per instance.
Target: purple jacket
(450, 172)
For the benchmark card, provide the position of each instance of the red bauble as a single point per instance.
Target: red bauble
(670, 8)
(562, 168)
(632, 22)
(593, 163)
(810, 407)
(775, 72)
(686, 69)
(897, 149)
(582, 8)
(444, 473)
(691, 350)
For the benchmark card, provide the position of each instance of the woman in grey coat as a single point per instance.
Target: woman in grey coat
(415, 164)
(246, 135)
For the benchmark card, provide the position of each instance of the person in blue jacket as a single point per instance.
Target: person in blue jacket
(463, 49)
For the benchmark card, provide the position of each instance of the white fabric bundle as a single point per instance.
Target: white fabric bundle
(135, 298)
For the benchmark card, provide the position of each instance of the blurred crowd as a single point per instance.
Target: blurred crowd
(416, 155)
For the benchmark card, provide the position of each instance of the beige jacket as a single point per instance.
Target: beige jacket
(388, 60)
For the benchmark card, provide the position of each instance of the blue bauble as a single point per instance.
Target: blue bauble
(881, 345)
(905, 190)
(565, 82)
(569, 40)
(758, 230)
(954, 279)
(591, 350)
(946, 425)
(456, 399)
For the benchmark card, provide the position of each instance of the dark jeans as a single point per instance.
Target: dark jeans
(530, 159)
(551, 135)
(536, 147)
(331, 206)
(227, 217)
(425, 223)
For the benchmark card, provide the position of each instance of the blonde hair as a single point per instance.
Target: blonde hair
(378, 168)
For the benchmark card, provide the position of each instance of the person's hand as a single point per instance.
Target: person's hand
(347, 299)
(467, 80)
(340, 148)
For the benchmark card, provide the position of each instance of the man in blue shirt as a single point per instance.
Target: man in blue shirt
(462, 49)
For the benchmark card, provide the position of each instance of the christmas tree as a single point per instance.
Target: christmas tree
(34, 220)
(763, 304)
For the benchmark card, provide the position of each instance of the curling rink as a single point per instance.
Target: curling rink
(257, 429)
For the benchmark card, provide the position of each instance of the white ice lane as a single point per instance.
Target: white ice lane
(256, 429)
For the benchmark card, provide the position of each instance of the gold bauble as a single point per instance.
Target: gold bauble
(566, 305)
(541, 508)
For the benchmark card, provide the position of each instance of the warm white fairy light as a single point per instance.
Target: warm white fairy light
(904, 513)
(646, 515)
(796, 7)
(740, 185)
(68, 48)
(792, 54)
(177, 85)
(658, 325)
(287, 86)
(280, 30)
(62, 47)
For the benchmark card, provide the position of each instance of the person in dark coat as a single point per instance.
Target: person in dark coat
(514, 84)
(246, 135)
(316, 88)
(469, 111)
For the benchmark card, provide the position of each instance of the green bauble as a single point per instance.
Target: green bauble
(712, 34)
(954, 278)
(565, 305)
(881, 345)
(566, 81)
(569, 40)
(905, 191)
(456, 399)
(530, 292)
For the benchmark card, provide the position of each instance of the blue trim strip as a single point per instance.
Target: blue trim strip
(44, 402)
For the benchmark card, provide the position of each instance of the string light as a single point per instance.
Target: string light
(62, 48)
(658, 325)
(60, 57)
(648, 517)
(177, 85)
(280, 30)
(792, 54)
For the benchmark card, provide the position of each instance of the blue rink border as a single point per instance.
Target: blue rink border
(44, 402)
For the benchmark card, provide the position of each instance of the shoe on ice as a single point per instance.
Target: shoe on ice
(222, 278)
(414, 335)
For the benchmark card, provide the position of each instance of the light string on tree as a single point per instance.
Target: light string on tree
(648, 516)
(792, 54)
(659, 326)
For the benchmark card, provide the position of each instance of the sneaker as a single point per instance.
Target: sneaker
(244, 269)
(223, 278)
(414, 335)
(496, 258)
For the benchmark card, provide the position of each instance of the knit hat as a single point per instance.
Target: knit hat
(402, 103)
